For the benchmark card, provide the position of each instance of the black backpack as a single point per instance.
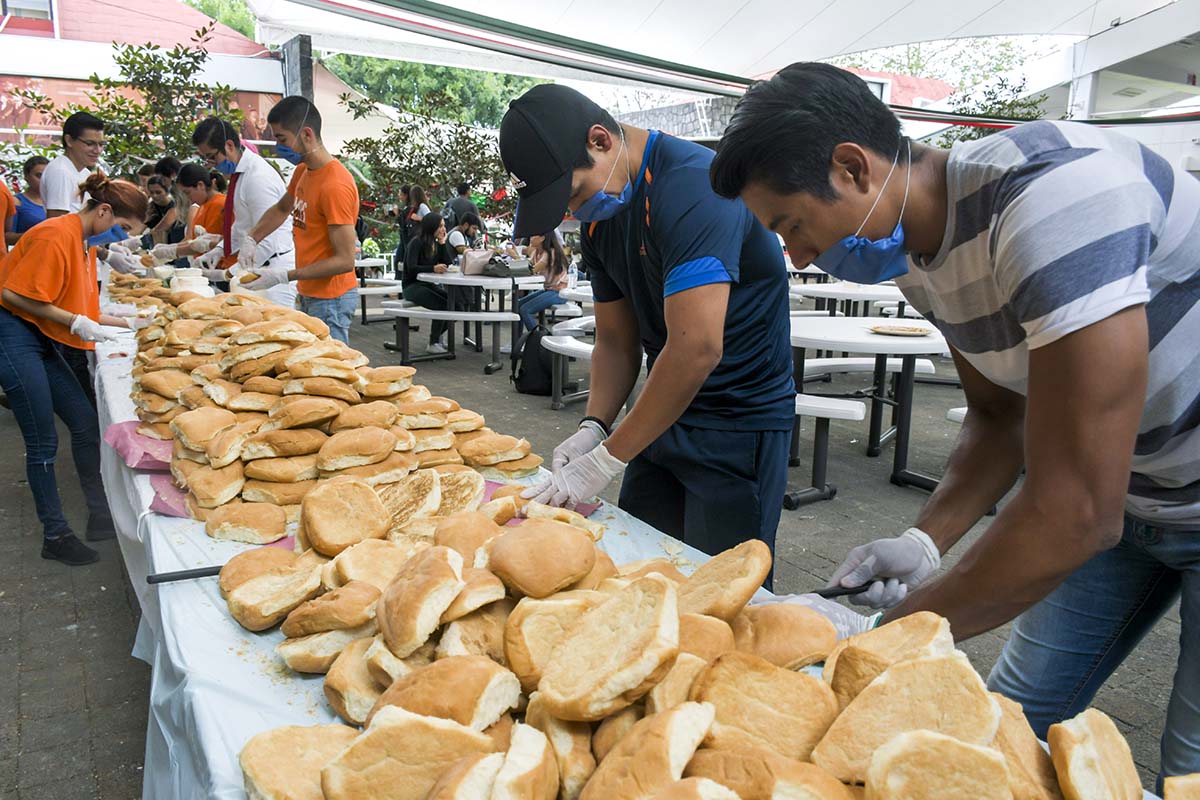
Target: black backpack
(531, 364)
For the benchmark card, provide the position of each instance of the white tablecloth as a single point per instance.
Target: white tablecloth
(214, 684)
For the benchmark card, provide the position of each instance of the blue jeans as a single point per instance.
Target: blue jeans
(534, 303)
(39, 385)
(712, 489)
(1063, 649)
(336, 312)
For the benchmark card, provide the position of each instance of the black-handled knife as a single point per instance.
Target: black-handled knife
(183, 575)
(841, 591)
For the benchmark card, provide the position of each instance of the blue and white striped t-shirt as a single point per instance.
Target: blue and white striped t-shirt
(1054, 226)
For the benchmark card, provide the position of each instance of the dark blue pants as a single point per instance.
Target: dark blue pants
(40, 385)
(712, 489)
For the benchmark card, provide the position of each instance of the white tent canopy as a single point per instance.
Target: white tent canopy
(705, 45)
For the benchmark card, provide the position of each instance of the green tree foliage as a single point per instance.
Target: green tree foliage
(472, 97)
(234, 13)
(155, 118)
(1001, 98)
(427, 147)
(959, 62)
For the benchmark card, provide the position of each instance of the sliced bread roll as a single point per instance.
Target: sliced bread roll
(372, 561)
(602, 570)
(765, 775)
(283, 443)
(787, 635)
(250, 564)
(252, 523)
(760, 705)
(676, 687)
(721, 586)
(571, 743)
(418, 495)
(349, 687)
(663, 566)
(529, 771)
(386, 668)
(340, 513)
(316, 652)
(1182, 787)
(652, 755)
(704, 636)
(535, 510)
(356, 447)
(471, 778)
(462, 489)
(471, 690)
(914, 636)
(263, 601)
(400, 754)
(540, 557)
(1030, 770)
(924, 765)
(696, 789)
(535, 627)
(465, 532)
(287, 762)
(480, 633)
(413, 603)
(615, 653)
(943, 694)
(1092, 759)
(613, 728)
(283, 470)
(482, 588)
(345, 607)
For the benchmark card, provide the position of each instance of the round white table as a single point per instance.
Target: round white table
(582, 293)
(854, 335)
(849, 293)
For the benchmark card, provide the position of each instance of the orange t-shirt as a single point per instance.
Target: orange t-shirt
(325, 197)
(210, 216)
(48, 264)
(8, 208)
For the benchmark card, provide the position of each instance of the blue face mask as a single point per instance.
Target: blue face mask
(861, 260)
(602, 205)
(111, 236)
(226, 167)
(288, 154)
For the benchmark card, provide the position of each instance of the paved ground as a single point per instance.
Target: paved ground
(72, 723)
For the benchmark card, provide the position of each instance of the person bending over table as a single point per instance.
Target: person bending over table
(549, 260)
(1059, 261)
(322, 200)
(428, 251)
(693, 280)
(49, 301)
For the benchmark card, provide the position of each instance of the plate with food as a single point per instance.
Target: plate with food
(900, 330)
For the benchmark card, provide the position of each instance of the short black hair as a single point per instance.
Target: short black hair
(167, 166)
(194, 174)
(31, 163)
(783, 131)
(294, 112)
(463, 188)
(214, 132)
(81, 121)
(469, 219)
(585, 159)
(146, 169)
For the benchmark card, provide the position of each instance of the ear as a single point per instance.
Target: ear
(850, 168)
(600, 138)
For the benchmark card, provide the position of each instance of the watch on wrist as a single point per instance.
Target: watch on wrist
(604, 429)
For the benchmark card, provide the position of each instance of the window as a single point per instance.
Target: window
(876, 87)
(29, 9)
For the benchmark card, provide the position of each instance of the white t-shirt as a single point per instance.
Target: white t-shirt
(60, 185)
(458, 239)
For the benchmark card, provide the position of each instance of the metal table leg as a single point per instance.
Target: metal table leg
(901, 474)
(798, 379)
(878, 392)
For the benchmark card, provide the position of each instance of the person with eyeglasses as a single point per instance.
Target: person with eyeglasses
(254, 187)
(83, 142)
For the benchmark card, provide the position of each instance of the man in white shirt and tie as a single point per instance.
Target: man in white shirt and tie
(254, 187)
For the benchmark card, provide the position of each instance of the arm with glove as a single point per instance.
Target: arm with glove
(271, 219)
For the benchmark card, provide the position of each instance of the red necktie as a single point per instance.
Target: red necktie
(227, 222)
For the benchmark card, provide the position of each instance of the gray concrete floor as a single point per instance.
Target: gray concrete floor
(72, 723)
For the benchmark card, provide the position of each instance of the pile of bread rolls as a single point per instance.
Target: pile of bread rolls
(487, 661)
(263, 408)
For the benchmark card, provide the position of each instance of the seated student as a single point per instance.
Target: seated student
(463, 237)
(549, 260)
(428, 251)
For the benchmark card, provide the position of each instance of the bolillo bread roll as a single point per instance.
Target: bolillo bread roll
(765, 775)
(535, 627)
(471, 690)
(856, 661)
(721, 586)
(252, 523)
(250, 564)
(349, 687)
(1182, 787)
(571, 743)
(263, 601)
(787, 635)
(923, 765)
(317, 651)
(287, 762)
(347, 606)
(413, 603)
(471, 778)
(652, 755)
(340, 513)
(529, 771)
(540, 557)
(1092, 759)
(696, 789)
(1030, 770)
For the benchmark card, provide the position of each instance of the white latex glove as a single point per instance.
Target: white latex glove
(89, 330)
(117, 248)
(130, 244)
(124, 263)
(119, 310)
(137, 323)
(894, 567)
(215, 275)
(246, 253)
(577, 444)
(199, 230)
(272, 276)
(165, 252)
(847, 621)
(208, 241)
(210, 259)
(580, 480)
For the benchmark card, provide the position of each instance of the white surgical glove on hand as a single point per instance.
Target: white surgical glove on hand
(165, 252)
(119, 309)
(581, 479)
(137, 323)
(211, 258)
(246, 253)
(117, 248)
(208, 241)
(89, 330)
(130, 244)
(577, 444)
(893, 567)
(124, 263)
(267, 278)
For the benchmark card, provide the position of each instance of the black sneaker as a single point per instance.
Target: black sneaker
(100, 529)
(69, 550)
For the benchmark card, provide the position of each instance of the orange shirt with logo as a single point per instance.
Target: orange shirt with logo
(49, 264)
(210, 216)
(8, 209)
(324, 197)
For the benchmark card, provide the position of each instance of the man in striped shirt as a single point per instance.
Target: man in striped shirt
(1062, 263)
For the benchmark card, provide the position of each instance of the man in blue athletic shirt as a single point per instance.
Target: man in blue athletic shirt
(688, 277)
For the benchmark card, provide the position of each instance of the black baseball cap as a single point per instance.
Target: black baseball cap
(542, 136)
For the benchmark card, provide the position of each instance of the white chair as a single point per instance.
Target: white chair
(957, 414)
(580, 326)
(821, 409)
(403, 314)
(377, 287)
(564, 349)
(817, 367)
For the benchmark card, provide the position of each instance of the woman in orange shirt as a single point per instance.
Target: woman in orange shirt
(204, 190)
(48, 299)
